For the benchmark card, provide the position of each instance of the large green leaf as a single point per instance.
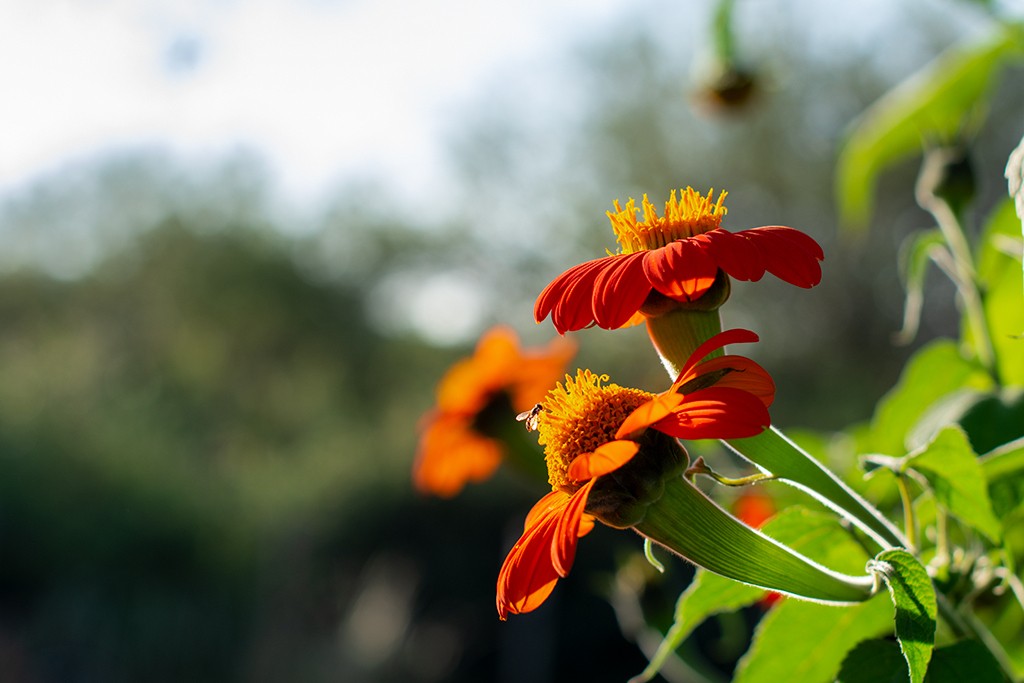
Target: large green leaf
(957, 478)
(914, 598)
(815, 535)
(874, 661)
(935, 371)
(880, 661)
(802, 641)
(1004, 471)
(967, 660)
(936, 104)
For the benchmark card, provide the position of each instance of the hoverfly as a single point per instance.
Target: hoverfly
(530, 417)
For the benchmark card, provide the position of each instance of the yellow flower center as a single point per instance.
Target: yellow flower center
(691, 214)
(577, 417)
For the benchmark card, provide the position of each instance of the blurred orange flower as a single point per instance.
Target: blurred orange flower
(460, 438)
(591, 429)
(676, 257)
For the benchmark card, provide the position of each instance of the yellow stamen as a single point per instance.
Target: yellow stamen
(579, 416)
(691, 214)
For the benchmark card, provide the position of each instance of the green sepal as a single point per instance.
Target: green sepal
(690, 524)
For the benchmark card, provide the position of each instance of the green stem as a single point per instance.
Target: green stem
(677, 334)
(773, 452)
(964, 276)
(909, 522)
(942, 555)
(726, 546)
(700, 467)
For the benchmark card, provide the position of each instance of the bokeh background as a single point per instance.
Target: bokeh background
(241, 241)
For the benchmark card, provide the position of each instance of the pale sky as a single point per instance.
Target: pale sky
(322, 88)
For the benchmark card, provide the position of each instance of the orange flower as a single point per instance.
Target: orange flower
(673, 258)
(591, 429)
(458, 441)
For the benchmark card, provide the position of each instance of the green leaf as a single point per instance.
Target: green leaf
(1004, 470)
(802, 641)
(999, 245)
(933, 372)
(1015, 180)
(1000, 275)
(994, 419)
(967, 660)
(914, 598)
(958, 480)
(936, 104)
(815, 535)
(874, 661)
(880, 661)
(915, 262)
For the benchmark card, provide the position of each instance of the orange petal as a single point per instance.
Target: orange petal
(649, 413)
(734, 254)
(682, 270)
(567, 530)
(738, 372)
(553, 501)
(451, 454)
(620, 290)
(537, 371)
(717, 413)
(569, 297)
(607, 458)
(788, 254)
(736, 336)
(528, 575)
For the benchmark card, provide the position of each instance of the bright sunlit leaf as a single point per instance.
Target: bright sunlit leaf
(958, 481)
(916, 610)
(803, 641)
(1000, 274)
(1004, 470)
(935, 371)
(945, 99)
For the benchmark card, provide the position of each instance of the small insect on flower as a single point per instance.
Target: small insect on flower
(530, 417)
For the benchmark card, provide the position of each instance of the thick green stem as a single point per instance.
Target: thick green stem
(773, 452)
(690, 524)
(678, 333)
